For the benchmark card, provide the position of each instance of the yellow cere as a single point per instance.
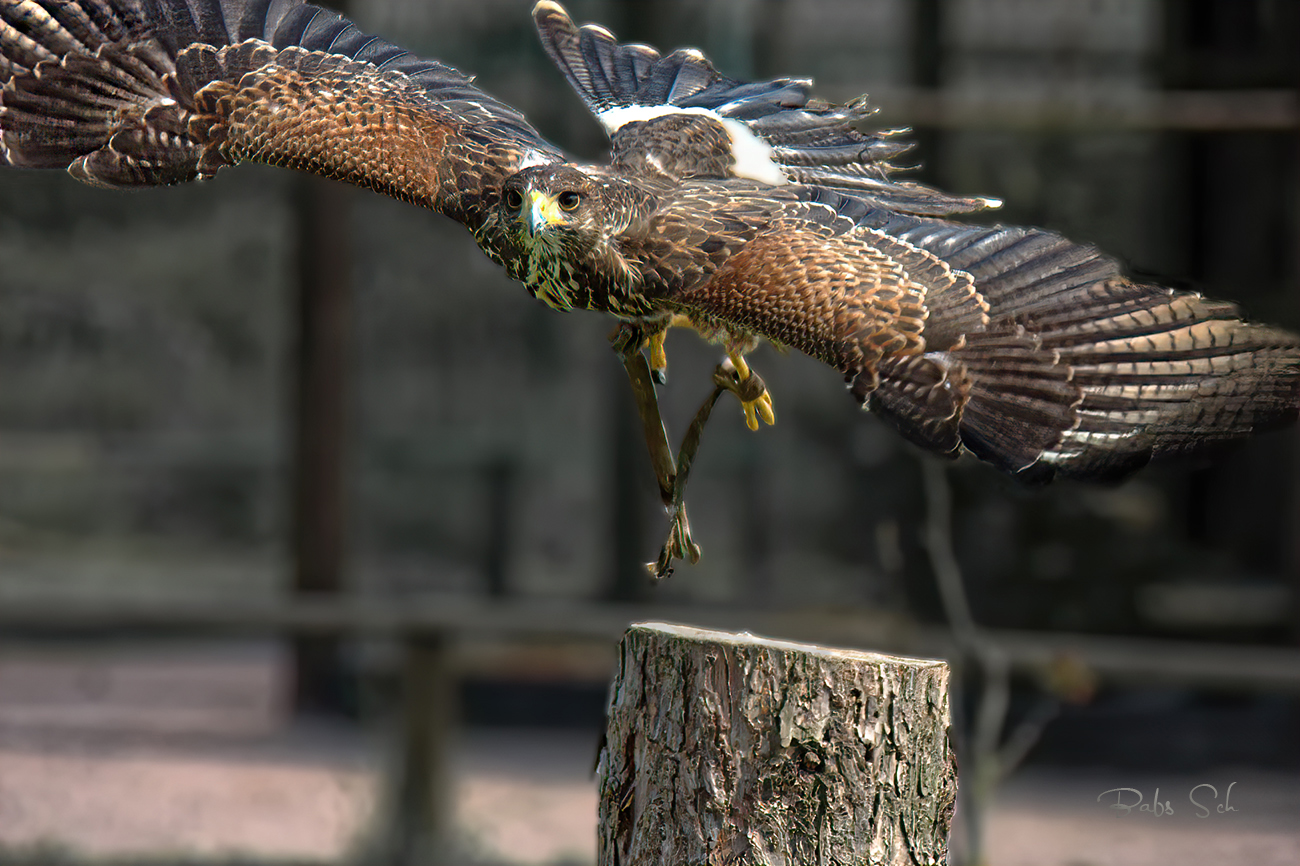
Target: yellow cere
(542, 210)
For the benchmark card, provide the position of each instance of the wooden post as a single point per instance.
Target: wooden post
(730, 748)
(500, 477)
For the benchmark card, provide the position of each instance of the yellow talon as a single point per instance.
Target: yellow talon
(759, 407)
(742, 368)
(655, 343)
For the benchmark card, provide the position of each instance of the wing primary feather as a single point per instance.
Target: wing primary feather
(1083, 373)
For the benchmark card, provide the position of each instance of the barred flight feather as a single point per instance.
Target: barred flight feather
(753, 209)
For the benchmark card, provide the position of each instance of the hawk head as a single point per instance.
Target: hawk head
(556, 207)
(562, 227)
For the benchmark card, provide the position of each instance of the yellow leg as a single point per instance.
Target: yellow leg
(655, 343)
(761, 406)
(658, 357)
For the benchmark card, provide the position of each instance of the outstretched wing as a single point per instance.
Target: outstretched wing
(142, 92)
(677, 116)
(1033, 352)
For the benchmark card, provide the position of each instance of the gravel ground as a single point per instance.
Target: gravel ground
(1054, 818)
(119, 753)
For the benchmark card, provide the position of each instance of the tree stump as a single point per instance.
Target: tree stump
(734, 749)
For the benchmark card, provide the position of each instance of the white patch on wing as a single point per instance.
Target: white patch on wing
(752, 155)
(615, 118)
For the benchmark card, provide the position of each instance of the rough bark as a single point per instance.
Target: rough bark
(731, 749)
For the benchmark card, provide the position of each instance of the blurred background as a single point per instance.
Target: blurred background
(262, 392)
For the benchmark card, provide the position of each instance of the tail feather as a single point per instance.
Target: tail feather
(608, 74)
(811, 141)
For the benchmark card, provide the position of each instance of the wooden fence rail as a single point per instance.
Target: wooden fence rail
(1116, 659)
(417, 816)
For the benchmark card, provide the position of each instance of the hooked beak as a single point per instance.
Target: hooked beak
(541, 212)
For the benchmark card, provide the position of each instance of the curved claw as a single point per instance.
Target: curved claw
(679, 545)
(734, 375)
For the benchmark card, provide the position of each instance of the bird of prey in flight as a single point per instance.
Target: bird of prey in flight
(747, 211)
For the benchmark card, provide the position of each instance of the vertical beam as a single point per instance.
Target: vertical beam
(1292, 553)
(421, 806)
(500, 478)
(319, 523)
(927, 74)
(771, 26)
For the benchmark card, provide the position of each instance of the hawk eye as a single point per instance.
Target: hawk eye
(569, 200)
(514, 199)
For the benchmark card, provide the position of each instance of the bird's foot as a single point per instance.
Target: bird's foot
(734, 375)
(627, 338)
(654, 342)
(679, 545)
(633, 337)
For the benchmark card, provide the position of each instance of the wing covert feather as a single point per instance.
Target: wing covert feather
(848, 296)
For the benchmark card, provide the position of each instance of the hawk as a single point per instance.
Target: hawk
(747, 211)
